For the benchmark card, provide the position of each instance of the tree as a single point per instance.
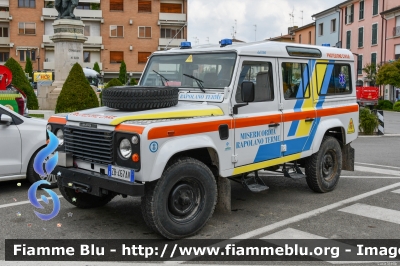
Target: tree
(389, 74)
(122, 72)
(20, 81)
(76, 93)
(28, 67)
(96, 67)
(370, 70)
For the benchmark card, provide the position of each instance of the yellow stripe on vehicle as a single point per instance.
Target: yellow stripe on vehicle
(317, 78)
(261, 165)
(173, 114)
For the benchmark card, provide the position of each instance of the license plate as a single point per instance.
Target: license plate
(121, 173)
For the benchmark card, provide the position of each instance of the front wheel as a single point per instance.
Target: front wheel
(181, 202)
(323, 168)
(33, 177)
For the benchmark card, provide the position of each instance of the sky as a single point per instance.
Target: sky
(212, 20)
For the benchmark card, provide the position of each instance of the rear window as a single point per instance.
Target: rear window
(336, 79)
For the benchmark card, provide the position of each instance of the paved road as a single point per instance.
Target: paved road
(363, 206)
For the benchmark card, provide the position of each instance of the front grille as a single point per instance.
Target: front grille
(93, 145)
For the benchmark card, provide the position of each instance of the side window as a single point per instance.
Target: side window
(294, 80)
(260, 73)
(337, 79)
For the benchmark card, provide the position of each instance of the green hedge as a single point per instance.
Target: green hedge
(396, 106)
(368, 121)
(20, 81)
(76, 93)
(384, 105)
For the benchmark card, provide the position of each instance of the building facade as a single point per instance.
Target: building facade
(117, 30)
(305, 34)
(391, 30)
(362, 28)
(327, 24)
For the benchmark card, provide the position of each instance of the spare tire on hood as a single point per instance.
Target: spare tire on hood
(132, 98)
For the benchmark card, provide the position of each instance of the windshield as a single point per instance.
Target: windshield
(212, 70)
(93, 81)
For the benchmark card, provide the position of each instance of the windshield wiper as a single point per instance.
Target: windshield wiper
(162, 77)
(198, 81)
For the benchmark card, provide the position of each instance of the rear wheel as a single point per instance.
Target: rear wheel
(323, 168)
(181, 202)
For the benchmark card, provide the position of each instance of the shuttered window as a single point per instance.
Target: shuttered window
(360, 37)
(116, 56)
(142, 57)
(348, 39)
(359, 64)
(117, 5)
(170, 8)
(375, 7)
(373, 58)
(26, 28)
(144, 6)
(361, 14)
(374, 34)
(116, 31)
(144, 32)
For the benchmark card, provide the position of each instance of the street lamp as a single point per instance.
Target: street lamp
(38, 63)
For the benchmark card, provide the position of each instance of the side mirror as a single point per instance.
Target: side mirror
(5, 119)
(247, 91)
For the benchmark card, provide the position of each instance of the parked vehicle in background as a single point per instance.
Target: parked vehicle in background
(367, 96)
(21, 138)
(10, 96)
(94, 78)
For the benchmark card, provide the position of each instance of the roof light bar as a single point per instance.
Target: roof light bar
(225, 42)
(186, 45)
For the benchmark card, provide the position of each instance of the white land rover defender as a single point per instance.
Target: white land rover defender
(206, 113)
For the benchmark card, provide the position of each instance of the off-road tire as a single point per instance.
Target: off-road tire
(83, 200)
(140, 98)
(186, 183)
(323, 168)
(32, 176)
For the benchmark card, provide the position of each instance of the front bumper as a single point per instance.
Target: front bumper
(95, 183)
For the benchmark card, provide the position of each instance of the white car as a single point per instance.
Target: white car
(21, 138)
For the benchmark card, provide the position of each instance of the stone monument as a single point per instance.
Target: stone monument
(68, 41)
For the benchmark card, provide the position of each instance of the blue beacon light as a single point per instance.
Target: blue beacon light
(225, 42)
(186, 45)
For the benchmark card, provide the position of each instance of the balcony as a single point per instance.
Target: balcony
(171, 19)
(83, 13)
(4, 15)
(174, 43)
(94, 40)
(4, 40)
(50, 65)
(396, 31)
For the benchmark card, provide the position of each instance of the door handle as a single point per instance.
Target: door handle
(309, 119)
(273, 125)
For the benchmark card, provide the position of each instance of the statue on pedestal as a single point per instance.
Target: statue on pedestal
(66, 8)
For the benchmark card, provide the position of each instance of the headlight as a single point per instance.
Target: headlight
(125, 148)
(48, 127)
(60, 136)
(135, 140)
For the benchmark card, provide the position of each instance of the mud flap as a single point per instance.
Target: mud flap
(347, 158)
